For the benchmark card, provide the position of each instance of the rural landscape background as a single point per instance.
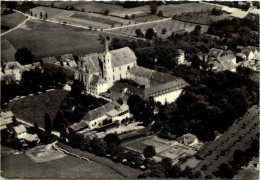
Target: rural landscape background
(218, 110)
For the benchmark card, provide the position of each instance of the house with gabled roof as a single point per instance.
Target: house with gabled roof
(20, 132)
(68, 60)
(219, 60)
(95, 118)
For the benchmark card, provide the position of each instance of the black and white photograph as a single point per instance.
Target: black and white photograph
(130, 89)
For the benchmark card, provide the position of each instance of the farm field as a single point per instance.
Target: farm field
(177, 9)
(169, 24)
(46, 39)
(21, 166)
(32, 108)
(7, 51)
(203, 18)
(11, 20)
(238, 136)
(78, 18)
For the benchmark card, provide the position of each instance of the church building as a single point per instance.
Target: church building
(100, 71)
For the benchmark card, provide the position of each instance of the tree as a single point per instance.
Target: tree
(112, 148)
(138, 32)
(15, 123)
(46, 16)
(157, 126)
(112, 138)
(47, 125)
(164, 30)
(106, 13)
(149, 152)
(150, 33)
(157, 171)
(85, 143)
(160, 14)
(167, 165)
(126, 17)
(24, 56)
(153, 8)
(76, 88)
(40, 14)
(31, 13)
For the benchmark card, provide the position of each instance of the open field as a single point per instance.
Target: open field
(32, 108)
(11, 20)
(170, 25)
(124, 171)
(45, 39)
(177, 9)
(21, 166)
(202, 18)
(238, 137)
(7, 51)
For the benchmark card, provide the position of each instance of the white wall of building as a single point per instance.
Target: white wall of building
(168, 97)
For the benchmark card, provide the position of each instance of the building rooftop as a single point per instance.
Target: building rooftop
(12, 65)
(20, 129)
(93, 62)
(49, 59)
(215, 52)
(100, 111)
(7, 114)
(95, 79)
(116, 111)
(78, 126)
(66, 57)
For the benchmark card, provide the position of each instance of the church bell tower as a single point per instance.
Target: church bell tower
(107, 65)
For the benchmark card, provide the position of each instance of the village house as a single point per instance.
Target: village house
(110, 112)
(68, 60)
(251, 57)
(187, 139)
(20, 132)
(220, 60)
(6, 119)
(161, 86)
(13, 68)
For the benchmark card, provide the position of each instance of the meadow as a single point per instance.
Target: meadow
(11, 20)
(169, 24)
(32, 108)
(46, 39)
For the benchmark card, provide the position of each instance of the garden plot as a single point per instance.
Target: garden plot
(169, 25)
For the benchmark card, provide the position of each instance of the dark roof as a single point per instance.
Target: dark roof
(119, 57)
(214, 52)
(65, 57)
(151, 74)
(95, 79)
(176, 84)
(78, 126)
(49, 59)
(100, 111)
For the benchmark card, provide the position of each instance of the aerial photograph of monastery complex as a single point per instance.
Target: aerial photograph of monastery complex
(130, 89)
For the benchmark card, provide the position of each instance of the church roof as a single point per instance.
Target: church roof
(151, 74)
(95, 79)
(119, 58)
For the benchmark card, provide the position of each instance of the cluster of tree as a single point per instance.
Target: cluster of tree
(75, 106)
(20, 6)
(237, 31)
(165, 169)
(216, 12)
(24, 56)
(32, 82)
(211, 103)
(142, 110)
(240, 158)
(6, 11)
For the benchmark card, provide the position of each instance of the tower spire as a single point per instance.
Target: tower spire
(106, 45)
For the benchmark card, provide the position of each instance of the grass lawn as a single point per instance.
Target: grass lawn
(123, 170)
(95, 19)
(45, 39)
(33, 108)
(21, 166)
(12, 20)
(7, 51)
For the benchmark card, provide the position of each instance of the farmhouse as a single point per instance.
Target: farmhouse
(187, 139)
(68, 60)
(110, 112)
(100, 71)
(6, 119)
(163, 87)
(220, 60)
(13, 68)
(20, 132)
